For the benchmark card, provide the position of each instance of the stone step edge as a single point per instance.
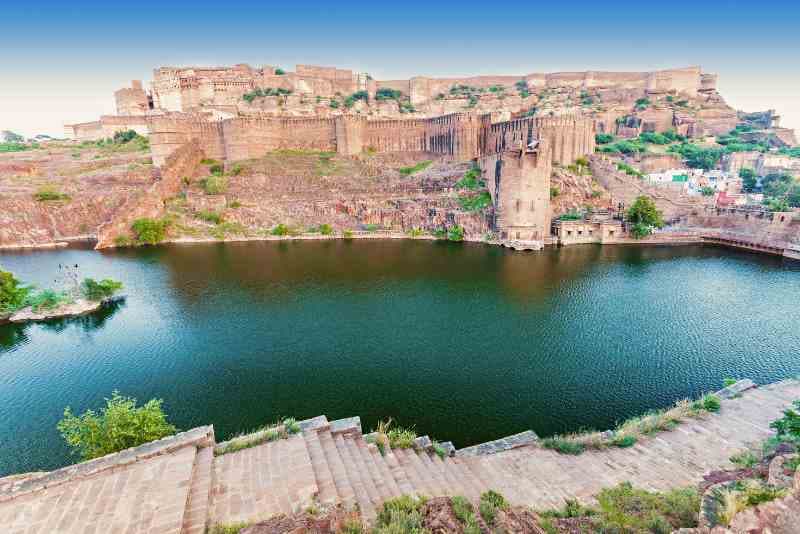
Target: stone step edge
(197, 437)
(528, 437)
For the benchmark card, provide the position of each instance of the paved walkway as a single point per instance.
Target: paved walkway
(177, 485)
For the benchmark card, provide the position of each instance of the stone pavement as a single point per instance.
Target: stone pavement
(177, 485)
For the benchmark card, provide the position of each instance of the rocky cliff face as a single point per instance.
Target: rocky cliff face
(64, 192)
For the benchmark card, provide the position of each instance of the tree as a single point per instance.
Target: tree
(749, 179)
(94, 290)
(149, 231)
(12, 293)
(644, 216)
(119, 426)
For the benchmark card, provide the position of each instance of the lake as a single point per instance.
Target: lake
(465, 342)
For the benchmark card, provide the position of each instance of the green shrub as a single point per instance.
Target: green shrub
(385, 93)
(491, 502)
(415, 232)
(48, 193)
(788, 426)
(711, 403)
(401, 438)
(455, 233)
(94, 290)
(623, 441)
(554, 192)
(347, 234)
(471, 179)
(149, 231)
(280, 229)
(210, 216)
(475, 203)
(209, 161)
(215, 185)
(642, 103)
(325, 229)
(563, 445)
(216, 169)
(118, 426)
(745, 459)
(12, 292)
(421, 166)
(372, 228)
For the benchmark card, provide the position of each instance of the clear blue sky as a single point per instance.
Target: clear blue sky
(62, 60)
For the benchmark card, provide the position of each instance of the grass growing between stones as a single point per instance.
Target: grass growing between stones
(624, 508)
(400, 515)
(275, 432)
(491, 503)
(630, 431)
(395, 437)
(739, 496)
(465, 514)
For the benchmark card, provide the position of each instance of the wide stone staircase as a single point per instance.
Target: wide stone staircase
(188, 483)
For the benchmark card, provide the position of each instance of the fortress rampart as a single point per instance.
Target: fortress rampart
(460, 136)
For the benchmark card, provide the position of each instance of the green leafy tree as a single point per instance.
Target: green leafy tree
(149, 231)
(118, 426)
(12, 292)
(94, 290)
(749, 179)
(644, 216)
(603, 138)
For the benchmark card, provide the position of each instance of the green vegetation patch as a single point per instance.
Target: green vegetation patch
(491, 502)
(262, 92)
(148, 231)
(644, 216)
(215, 185)
(281, 430)
(414, 169)
(401, 515)
(50, 194)
(630, 431)
(118, 426)
(99, 290)
(475, 203)
(12, 292)
(471, 180)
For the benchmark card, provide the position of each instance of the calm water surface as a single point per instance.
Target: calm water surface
(466, 342)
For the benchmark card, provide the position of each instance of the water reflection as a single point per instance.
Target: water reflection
(13, 335)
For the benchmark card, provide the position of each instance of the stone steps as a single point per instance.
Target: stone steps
(196, 513)
(177, 484)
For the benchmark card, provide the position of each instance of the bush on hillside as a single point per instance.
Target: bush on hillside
(385, 93)
(118, 426)
(149, 231)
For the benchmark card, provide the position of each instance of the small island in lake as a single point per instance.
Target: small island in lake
(20, 303)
